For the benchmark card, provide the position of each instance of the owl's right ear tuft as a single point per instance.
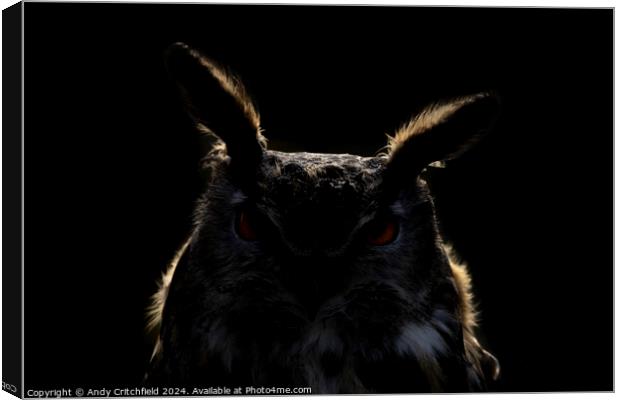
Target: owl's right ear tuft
(218, 103)
(442, 132)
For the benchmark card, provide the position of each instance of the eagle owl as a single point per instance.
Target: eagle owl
(317, 270)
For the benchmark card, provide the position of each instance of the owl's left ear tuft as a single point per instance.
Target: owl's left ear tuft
(442, 132)
(218, 103)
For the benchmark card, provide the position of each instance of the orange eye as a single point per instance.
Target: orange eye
(382, 231)
(245, 226)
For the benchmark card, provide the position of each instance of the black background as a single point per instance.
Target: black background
(112, 163)
(11, 206)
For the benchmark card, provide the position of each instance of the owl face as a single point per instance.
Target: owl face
(319, 270)
(316, 225)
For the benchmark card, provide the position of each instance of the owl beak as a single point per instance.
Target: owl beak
(314, 280)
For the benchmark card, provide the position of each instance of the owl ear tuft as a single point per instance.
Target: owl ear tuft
(441, 132)
(218, 103)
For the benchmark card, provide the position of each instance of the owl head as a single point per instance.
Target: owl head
(317, 270)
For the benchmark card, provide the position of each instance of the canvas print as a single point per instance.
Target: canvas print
(226, 199)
